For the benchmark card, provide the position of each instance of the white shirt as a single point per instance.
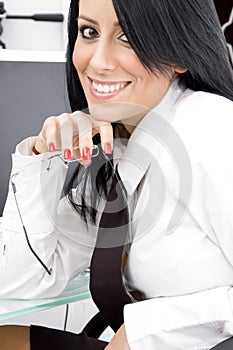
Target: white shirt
(178, 164)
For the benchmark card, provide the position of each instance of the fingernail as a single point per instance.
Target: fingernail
(86, 154)
(107, 148)
(52, 147)
(67, 154)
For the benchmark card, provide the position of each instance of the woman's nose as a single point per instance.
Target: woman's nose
(103, 57)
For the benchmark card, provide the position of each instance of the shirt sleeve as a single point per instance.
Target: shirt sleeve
(190, 322)
(35, 186)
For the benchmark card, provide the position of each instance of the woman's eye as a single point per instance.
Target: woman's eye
(124, 38)
(88, 32)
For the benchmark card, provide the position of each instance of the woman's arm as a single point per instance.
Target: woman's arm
(119, 341)
(195, 320)
(38, 182)
(56, 232)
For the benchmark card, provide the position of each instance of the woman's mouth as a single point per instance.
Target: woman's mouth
(106, 89)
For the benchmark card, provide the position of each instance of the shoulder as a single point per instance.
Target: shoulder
(204, 121)
(203, 108)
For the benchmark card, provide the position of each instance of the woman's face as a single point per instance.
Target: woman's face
(107, 66)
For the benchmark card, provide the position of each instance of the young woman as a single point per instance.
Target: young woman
(161, 70)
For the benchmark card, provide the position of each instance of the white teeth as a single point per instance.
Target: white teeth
(99, 88)
(108, 88)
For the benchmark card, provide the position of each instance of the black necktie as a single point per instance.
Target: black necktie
(106, 282)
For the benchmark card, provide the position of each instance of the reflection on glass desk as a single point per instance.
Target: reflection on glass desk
(78, 289)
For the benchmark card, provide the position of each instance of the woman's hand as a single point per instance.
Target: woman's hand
(119, 341)
(72, 133)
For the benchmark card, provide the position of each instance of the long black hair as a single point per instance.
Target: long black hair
(162, 33)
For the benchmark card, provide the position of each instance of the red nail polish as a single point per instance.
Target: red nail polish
(67, 154)
(86, 154)
(107, 148)
(52, 147)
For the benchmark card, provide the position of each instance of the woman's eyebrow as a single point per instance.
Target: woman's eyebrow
(116, 24)
(88, 19)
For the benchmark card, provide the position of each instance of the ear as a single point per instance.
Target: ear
(179, 69)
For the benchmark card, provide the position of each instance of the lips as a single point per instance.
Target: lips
(106, 89)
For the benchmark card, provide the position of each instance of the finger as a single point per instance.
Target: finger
(50, 132)
(106, 134)
(84, 127)
(66, 134)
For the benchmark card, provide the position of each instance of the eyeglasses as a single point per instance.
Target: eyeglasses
(94, 153)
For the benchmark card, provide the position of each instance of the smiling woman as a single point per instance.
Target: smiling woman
(108, 68)
(151, 86)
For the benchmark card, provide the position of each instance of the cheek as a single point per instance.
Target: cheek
(79, 57)
(135, 68)
(132, 65)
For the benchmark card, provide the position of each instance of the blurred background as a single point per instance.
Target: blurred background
(32, 74)
(21, 34)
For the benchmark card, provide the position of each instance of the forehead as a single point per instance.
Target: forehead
(96, 7)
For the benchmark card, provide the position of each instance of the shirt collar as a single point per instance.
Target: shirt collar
(137, 157)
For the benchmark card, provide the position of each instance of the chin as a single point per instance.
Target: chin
(115, 111)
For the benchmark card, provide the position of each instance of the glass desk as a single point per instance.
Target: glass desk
(78, 289)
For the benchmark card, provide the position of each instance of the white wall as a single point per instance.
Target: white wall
(33, 35)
